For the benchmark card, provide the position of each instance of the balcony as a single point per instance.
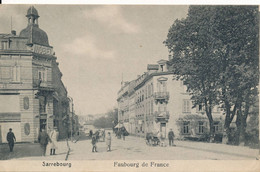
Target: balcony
(161, 96)
(37, 83)
(162, 116)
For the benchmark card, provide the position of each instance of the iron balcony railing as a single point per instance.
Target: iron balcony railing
(161, 95)
(164, 114)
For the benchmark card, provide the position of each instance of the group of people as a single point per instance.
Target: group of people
(121, 133)
(159, 139)
(94, 140)
(44, 139)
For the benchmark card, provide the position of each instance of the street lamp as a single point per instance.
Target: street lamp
(72, 111)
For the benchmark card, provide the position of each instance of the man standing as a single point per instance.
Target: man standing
(10, 139)
(170, 137)
(43, 140)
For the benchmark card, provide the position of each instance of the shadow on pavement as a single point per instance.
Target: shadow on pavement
(20, 150)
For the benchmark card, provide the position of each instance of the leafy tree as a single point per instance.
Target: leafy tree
(215, 53)
(109, 120)
(191, 43)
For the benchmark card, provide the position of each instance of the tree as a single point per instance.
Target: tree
(109, 120)
(191, 43)
(215, 53)
(236, 31)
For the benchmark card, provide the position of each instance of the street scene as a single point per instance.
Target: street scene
(131, 148)
(117, 82)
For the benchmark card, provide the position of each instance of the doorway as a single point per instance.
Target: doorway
(163, 129)
(42, 124)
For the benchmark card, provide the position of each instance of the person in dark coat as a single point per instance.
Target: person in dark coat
(10, 139)
(170, 137)
(90, 133)
(43, 139)
(94, 143)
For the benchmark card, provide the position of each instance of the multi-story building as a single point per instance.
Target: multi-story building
(161, 103)
(32, 94)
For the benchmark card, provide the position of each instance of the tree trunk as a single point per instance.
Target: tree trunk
(243, 121)
(226, 132)
(209, 115)
(239, 126)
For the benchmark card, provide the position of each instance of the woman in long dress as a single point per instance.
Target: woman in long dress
(53, 144)
(108, 141)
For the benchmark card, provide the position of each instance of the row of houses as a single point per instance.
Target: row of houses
(32, 93)
(156, 101)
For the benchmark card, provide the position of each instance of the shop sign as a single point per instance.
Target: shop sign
(39, 49)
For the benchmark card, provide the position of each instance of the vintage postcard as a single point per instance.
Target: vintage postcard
(129, 87)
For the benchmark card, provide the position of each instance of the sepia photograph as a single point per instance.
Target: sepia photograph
(134, 85)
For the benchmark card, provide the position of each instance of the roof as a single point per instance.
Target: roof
(32, 12)
(152, 67)
(35, 35)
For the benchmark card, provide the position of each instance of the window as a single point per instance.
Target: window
(151, 106)
(161, 67)
(199, 108)
(186, 106)
(149, 90)
(186, 127)
(16, 73)
(5, 73)
(201, 127)
(4, 45)
(164, 86)
(216, 127)
(42, 75)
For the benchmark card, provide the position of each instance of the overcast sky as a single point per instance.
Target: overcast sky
(94, 45)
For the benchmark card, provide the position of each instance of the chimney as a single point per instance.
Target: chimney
(13, 32)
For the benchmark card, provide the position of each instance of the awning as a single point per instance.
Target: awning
(119, 125)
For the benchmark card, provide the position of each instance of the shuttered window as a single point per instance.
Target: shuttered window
(186, 106)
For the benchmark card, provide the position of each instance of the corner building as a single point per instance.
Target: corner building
(156, 101)
(32, 94)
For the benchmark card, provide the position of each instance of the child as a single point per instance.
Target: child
(108, 142)
(94, 143)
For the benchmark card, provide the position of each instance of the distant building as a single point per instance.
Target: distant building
(32, 94)
(155, 101)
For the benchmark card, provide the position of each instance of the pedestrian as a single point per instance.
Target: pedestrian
(171, 137)
(10, 139)
(108, 141)
(43, 139)
(54, 137)
(123, 133)
(94, 143)
(159, 137)
(90, 133)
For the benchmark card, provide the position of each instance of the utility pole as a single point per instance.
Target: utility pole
(71, 118)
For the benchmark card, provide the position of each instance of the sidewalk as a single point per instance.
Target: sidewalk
(220, 148)
(32, 151)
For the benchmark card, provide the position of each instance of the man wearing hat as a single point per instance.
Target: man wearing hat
(10, 139)
(43, 140)
(171, 137)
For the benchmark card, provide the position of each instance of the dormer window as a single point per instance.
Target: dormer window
(161, 66)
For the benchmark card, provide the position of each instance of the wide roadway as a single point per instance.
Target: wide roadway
(135, 148)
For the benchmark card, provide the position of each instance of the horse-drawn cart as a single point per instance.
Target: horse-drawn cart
(152, 139)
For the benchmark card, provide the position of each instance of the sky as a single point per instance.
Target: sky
(99, 45)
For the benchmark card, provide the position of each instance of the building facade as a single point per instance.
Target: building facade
(32, 94)
(156, 101)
